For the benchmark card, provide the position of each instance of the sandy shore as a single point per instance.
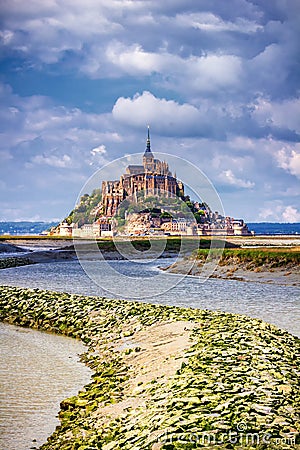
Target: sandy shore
(266, 241)
(288, 275)
(165, 376)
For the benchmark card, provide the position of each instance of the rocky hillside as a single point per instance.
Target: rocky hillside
(88, 209)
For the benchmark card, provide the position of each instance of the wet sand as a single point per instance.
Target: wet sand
(287, 276)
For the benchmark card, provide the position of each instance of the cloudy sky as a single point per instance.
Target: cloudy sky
(218, 82)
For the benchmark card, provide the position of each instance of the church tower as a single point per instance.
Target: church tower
(148, 158)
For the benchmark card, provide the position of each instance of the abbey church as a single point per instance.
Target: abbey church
(150, 178)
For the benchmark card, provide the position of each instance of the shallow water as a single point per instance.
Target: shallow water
(37, 371)
(276, 304)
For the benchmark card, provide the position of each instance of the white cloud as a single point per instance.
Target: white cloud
(289, 159)
(278, 211)
(98, 156)
(208, 21)
(228, 177)
(213, 71)
(199, 73)
(273, 70)
(194, 49)
(237, 162)
(134, 60)
(291, 214)
(36, 131)
(242, 143)
(61, 162)
(220, 82)
(163, 115)
(100, 150)
(266, 214)
(285, 113)
(48, 29)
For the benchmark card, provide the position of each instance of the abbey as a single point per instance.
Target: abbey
(151, 178)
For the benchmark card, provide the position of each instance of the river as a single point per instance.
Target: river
(37, 371)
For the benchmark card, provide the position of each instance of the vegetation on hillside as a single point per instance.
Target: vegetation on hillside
(88, 209)
(163, 207)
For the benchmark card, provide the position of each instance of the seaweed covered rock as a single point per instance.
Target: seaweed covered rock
(14, 261)
(167, 377)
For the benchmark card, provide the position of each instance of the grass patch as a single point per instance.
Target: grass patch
(32, 237)
(173, 244)
(271, 257)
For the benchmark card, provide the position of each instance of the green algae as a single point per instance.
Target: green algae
(239, 379)
(14, 261)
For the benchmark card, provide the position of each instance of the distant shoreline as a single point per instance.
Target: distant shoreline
(56, 242)
(21, 228)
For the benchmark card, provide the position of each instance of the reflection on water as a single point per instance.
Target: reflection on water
(37, 371)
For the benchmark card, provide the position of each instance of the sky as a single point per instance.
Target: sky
(217, 81)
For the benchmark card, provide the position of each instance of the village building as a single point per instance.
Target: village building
(65, 230)
(100, 228)
(180, 226)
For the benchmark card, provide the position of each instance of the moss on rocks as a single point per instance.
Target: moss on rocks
(237, 386)
(14, 261)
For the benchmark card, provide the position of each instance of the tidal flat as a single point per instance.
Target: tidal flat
(265, 265)
(166, 377)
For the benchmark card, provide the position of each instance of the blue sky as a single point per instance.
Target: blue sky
(218, 82)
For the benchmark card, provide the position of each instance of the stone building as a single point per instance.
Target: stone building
(153, 177)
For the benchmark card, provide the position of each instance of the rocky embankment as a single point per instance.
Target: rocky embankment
(14, 261)
(12, 255)
(167, 377)
(279, 266)
(9, 258)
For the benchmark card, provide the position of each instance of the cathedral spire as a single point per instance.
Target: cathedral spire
(148, 147)
(148, 154)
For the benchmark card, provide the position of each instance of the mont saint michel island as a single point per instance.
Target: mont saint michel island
(107, 211)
